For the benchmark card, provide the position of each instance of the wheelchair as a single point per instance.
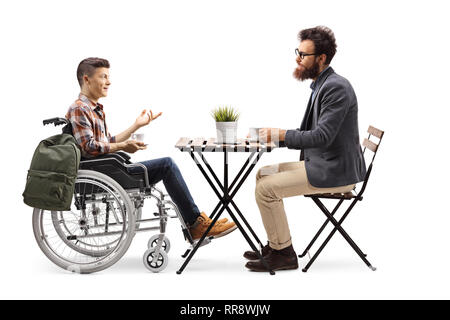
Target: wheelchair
(105, 215)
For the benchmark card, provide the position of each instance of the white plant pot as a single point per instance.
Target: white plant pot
(226, 132)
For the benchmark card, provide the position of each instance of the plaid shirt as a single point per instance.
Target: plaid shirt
(89, 127)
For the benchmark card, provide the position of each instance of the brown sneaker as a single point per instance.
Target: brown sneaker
(218, 230)
(210, 220)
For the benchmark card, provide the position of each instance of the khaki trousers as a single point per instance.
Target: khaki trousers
(278, 181)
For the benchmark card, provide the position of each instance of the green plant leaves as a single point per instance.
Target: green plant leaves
(225, 114)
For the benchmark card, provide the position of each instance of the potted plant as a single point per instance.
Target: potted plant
(226, 124)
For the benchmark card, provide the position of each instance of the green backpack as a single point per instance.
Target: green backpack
(53, 171)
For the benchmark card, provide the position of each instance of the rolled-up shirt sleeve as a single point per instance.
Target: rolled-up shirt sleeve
(111, 139)
(82, 128)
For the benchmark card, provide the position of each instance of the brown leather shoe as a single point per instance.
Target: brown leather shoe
(217, 231)
(251, 255)
(285, 259)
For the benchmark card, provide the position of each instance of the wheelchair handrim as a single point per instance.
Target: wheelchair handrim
(99, 260)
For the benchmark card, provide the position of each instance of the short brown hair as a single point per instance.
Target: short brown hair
(324, 41)
(88, 66)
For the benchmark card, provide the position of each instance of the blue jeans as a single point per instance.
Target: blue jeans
(165, 169)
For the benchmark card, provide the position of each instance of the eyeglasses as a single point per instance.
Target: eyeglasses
(302, 55)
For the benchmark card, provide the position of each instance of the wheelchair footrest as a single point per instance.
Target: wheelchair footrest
(204, 243)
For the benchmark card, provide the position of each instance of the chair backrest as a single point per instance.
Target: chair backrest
(372, 146)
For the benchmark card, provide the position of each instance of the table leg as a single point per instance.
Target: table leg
(224, 202)
(235, 180)
(229, 198)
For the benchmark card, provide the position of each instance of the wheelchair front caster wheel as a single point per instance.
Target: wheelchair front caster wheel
(153, 242)
(155, 264)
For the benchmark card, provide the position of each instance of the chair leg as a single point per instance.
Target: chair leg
(320, 230)
(337, 227)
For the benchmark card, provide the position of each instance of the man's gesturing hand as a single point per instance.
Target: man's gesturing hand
(145, 118)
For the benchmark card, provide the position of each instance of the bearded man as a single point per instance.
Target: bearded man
(331, 159)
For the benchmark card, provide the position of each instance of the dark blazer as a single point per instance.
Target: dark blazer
(328, 135)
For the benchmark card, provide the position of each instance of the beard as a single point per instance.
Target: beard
(306, 73)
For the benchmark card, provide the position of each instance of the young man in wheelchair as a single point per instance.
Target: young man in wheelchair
(87, 118)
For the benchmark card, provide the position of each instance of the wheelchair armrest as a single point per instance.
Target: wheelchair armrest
(120, 156)
(118, 162)
(124, 155)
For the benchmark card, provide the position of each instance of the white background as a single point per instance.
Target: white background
(185, 58)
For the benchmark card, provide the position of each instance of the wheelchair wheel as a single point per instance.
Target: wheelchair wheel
(158, 264)
(62, 224)
(95, 233)
(153, 242)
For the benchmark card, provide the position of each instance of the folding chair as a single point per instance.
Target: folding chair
(341, 197)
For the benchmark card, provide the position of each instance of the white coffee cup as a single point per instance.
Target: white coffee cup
(138, 137)
(254, 134)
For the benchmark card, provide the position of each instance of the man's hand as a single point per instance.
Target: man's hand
(145, 118)
(271, 134)
(131, 146)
